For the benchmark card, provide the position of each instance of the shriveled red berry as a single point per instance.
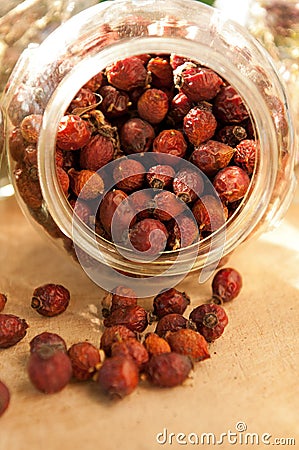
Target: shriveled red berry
(161, 72)
(95, 82)
(155, 344)
(110, 210)
(190, 343)
(245, 155)
(4, 397)
(180, 106)
(83, 99)
(17, 144)
(30, 127)
(121, 297)
(12, 330)
(229, 106)
(28, 188)
(118, 376)
(87, 184)
(210, 320)
(49, 370)
(168, 369)
(152, 105)
(177, 60)
(98, 152)
(85, 358)
(226, 284)
(231, 134)
(199, 125)
(209, 213)
(188, 184)
(131, 348)
(3, 300)
(129, 174)
(136, 136)
(149, 235)
(141, 202)
(73, 132)
(211, 156)
(170, 322)
(231, 183)
(132, 317)
(113, 334)
(160, 176)
(50, 299)
(167, 205)
(199, 83)
(47, 339)
(171, 142)
(170, 301)
(114, 103)
(127, 74)
(182, 232)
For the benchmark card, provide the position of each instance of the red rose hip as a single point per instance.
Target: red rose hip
(50, 299)
(149, 235)
(85, 358)
(168, 369)
(118, 376)
(12, 330)
(226, 284)
(73, 132)
(210, 320)
(231, 184)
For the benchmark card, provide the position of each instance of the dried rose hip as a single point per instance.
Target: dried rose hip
(83, 99)
(199, 83)
(161, 72)
(167, 205)
(171, 142)
(170, 322)
(73, 132)
(209, 213)
(114, 334)
(180, 106)
(170, 301)
(17, 144)
(30, 127)
(131, 348)
(128, 174)
(231, 135)
(49, 370)
(141, 203)
(149, 235)
(182, 232)
(210, 320)
(160, 176)
(12, 330)
(199, 125)
(188, 184)
(3, 300)
(155, 344)
(226, 284)
(121, 297)
(177, 60)
(231, 183)
(211, 156)
(152, 105)
(132, 317)
(136, 136)
(50, 299)
(189, 342)
(98, 152)
(245, 155)
(47, 339)
(95, 82)
(86, 183)
(110, 210)
(168, 369)
(127, 74)
(85, 359)
(64, 180)
(118, 376)
(229, 106)
(4, 398)
(114, 102)
(28, 188)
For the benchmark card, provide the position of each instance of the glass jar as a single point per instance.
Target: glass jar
(48, 76)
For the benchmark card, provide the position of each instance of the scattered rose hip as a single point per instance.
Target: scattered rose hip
(210, 320)
(85, 359)
(47, 339)
(226, 284)
(50, 299)
(12, 330)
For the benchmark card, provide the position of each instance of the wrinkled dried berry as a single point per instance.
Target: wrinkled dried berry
(131, 348)
(167, 206)
(155, 344)
(182, 232)
(127, 74)
(83, 99)
(171, 142)
(141, 203)
(12, 330)
(152, 105)
(168, 369)
(210, 320)
(132, 317)
(110, 209)
(98, 152)
(64, 180)
(86, 183)
(50, 299)
(82, 210)
(180, 106)
(114, 102)
(211, 156)
(231, 135)
(113, 334)
(160, 176)
(209, 213)
(161, 72)
(199, 83)
(73, 132)
(245, 155)
(118, 376)
(149, 235)
(4, 398)
(229, 106)
(129, 174)
(231, 183)
(17, 144)
(85, 359)
(47, 339)
(95, 82)
(3, 300)
(199, 125)
(226, 284)
(188, 184)
(28, 188)
(49, 370)
(30, 127)
(190, 343)
(170, 322)
(170, 301)
(136, 136)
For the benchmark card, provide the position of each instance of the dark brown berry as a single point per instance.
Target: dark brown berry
(167, 206)
(132, 317)
(114, 102)
(4, 398)
(83, 99)
(170, 322)
(210, 320)
(28, 189)
(85, 359)
(212, 156)
(179, 107)
(155, 344)
(168, 369)
(121, 297)
(182, 232)
(171, 142)
(47, 339)
(114, 334)
(118, 376)
(199, 125)
(226, 284)
(128, 174)
(49, 370)
(209, 213)
(245, 155)
(149, 235)
(12, 330)
(98, 152)
(188, 184)
(73, 132)
(50, 299)
(231, 134)
(160, 176)
(3, 300)
(127, 74)
(152, 105)
(131, 348)
(136, 136)
(231, 183)
(229, 106)
(189, 342)
(170, 301)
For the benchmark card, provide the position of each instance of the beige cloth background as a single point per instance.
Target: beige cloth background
(251, 377)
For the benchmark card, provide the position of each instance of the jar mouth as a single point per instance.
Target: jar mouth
(254, 205)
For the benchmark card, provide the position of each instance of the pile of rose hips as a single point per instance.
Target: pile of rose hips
(163, 104)
(164, 356)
